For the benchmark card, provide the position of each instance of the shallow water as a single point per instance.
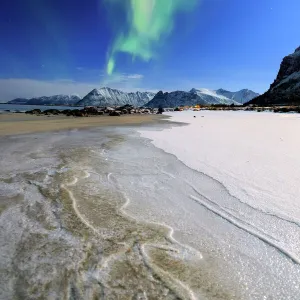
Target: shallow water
(22, 108)
(103, 214)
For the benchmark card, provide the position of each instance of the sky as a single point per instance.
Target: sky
(52, 47)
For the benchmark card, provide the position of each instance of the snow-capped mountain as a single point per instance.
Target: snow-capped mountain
(241, 96)
(18, 101)
(194, 97)
(111, 97)
(212, 97)
(51, 100)
(172, 99)
(285, 90)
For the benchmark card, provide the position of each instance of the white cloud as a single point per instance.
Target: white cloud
(124, 81)
(134, 76)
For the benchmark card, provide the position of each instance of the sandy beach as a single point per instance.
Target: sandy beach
(12, 123)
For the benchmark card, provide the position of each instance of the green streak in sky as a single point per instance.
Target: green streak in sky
(110, 65)
(148, 24)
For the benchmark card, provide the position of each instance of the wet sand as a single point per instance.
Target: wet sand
(65, 231)
(11, 124)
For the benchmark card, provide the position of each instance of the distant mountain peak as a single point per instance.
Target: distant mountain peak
(241, 96)
(221, 90)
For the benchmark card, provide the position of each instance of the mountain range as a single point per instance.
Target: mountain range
(201, 97)
(285, 90)
(69, 100)
(111, 97)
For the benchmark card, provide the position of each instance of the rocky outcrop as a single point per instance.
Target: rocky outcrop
(290, 64)
(285, 90)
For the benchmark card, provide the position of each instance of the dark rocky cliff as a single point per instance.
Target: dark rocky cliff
(285, 90)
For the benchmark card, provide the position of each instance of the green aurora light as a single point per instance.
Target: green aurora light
(149, 22)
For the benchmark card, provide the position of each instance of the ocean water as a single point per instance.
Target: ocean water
(103, 213)
(23, 108)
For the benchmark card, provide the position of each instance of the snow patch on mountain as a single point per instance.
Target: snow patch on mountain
(212, 97)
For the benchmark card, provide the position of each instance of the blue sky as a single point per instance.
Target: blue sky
(61, 46)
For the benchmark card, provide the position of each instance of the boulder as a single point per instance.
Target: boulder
(77, 113)
(51, 112)
(91, 110)
(115, 114)
(66, 111)
(80, 113)
(34, 112)
(126, 107)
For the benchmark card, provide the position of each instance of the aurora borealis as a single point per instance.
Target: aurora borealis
(148, 22)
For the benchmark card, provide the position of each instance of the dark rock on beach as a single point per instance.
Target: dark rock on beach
(34, 112)
(115, 114)
(51, 112)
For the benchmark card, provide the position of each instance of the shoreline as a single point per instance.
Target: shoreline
(127, 211)
(15, 124)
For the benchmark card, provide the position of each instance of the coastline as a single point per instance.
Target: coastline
(120, 217)
(21, 123)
